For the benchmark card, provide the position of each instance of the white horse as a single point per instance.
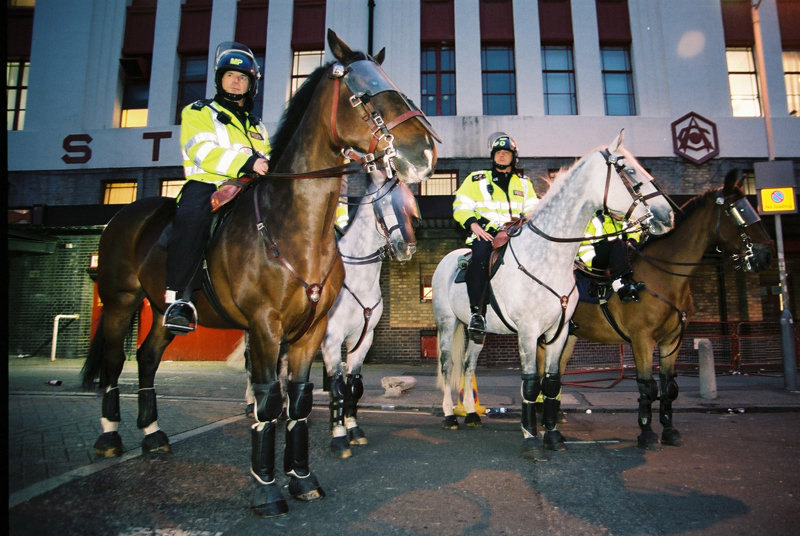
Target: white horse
(382, 227)
(533, 291)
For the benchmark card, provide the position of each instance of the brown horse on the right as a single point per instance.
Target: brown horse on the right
(723, 219)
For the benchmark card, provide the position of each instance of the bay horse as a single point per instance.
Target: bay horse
(273, 269)
(721, 219)
(533, 291)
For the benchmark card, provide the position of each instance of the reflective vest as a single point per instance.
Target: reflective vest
(478, 197)
(342, 216)
(215, 143)
(599, 226)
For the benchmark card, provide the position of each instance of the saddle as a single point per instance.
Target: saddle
(499, 244)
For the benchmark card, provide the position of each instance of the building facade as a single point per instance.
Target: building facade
(95, 89)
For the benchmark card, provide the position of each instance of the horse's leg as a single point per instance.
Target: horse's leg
(451, 340)
(332, 357)
(648, 392)
(355, 390)
(530, 389)
(266, 499)
(669, 392)
(472, 419)
(551, 389)
(148, 357)
(303, 484)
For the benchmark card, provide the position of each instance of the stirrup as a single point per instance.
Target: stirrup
(180, 317)
(477, 328)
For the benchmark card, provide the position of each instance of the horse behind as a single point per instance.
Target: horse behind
(721, 219)
(273, 269)
(533, 291)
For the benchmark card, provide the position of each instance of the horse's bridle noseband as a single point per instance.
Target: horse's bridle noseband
(743, 214)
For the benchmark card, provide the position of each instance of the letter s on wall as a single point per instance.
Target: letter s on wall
(77, 143)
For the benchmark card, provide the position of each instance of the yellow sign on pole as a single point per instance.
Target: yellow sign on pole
(778, 200)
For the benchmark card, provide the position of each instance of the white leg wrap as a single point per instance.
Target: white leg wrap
(339, 431)
(152, 428)
(109, 426)
(350, 422)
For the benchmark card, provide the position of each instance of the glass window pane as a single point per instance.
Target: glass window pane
(559, 82)
(12, 73)
(448, 59)
(559, 105)
(616, 83)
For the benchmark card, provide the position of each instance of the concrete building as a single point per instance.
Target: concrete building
(95, 88)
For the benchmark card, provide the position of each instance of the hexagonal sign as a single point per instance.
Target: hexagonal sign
(695, 138)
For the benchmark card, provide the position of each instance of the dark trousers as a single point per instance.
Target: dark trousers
(611, 258)
(478, 273)
(189, 235)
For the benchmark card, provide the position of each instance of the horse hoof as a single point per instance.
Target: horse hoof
(450, 423)
(267, 501)
(156, 443)
(108, 445)
(473, 420)
(356, 436)
(647, 440)
(671, 437)
(340, 448)
(306, 489)
(532, 450)
(553, 440)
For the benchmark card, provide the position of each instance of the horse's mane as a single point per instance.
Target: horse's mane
(293, 114)
(687, 209)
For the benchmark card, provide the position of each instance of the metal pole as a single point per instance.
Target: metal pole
(787, 332)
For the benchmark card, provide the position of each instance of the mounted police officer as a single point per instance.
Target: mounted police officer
(222, 142)
(485, 201)
(609, 256)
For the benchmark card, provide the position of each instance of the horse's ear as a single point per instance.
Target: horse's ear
(380, 56)
(617, 143)
(339, 48)
(732, 180)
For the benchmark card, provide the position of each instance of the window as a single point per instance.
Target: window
(558, 78)
(499, 80)
(305, 62)
(617, 81)
(171, 187)
(791, 77)
(16, 93)
(191, 83)
(258, 102)
(439, 80)
(743, 82)
(134, 104)
(426, 282)
(119, 192)
(442, 182)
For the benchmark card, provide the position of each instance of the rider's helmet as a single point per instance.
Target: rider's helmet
(502, 141)
(233, 56)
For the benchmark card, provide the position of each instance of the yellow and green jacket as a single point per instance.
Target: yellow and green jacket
(216, 144)
(479, 200)
(603, 225)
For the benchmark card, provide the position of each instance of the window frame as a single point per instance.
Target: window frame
(744, 102)
(490, 75)
(297, 78)
(548, 74)
(626, 73)
(435, 184)
(187, 82)
(791, 79)
(439, 95)
(16, 106)
(113, 188)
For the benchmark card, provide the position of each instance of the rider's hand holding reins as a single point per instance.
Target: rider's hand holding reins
(261, 166)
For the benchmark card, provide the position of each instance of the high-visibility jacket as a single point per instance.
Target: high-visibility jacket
(216, 144)
(603, 225)
(479, 199)
(342, 215)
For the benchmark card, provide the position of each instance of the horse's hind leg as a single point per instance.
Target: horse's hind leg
(471, 418)
(148, 357)
(354, 391)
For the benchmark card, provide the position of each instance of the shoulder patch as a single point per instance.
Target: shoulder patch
(478, 175)
(200, 104)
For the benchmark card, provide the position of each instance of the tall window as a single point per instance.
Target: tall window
(743, 82)
(439, 80)
(558, 73)
(305, 62)
(426, 282)
(119, 192)
(442, 182)
(192, 82)
(499, 80)
(791, 77)
(171, 187)
(16, 93)
(617, 81)
(136, 94)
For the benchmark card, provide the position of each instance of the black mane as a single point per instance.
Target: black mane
(688, 208)
(293, 114)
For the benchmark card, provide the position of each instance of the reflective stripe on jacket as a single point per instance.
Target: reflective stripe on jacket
(599, 226)
(490, 206)
(215, 151)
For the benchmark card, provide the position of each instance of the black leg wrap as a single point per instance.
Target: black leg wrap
(111, 405)
(295, 459)
(269, 401)
(669, 392)
(551, 388)
(530, 389)
(337, 389)
(353, 393)
(148, 412)
(648, 393)
(266, 499)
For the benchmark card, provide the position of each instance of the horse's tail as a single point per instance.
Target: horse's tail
(93, 367)
(455, 367)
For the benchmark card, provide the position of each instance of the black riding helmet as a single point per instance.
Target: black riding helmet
(233, 56)
(502, 141)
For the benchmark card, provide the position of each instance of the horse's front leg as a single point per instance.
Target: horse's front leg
(148, 357)
(354, 390)
(530, 389)
(551, 391)
(332, 357)
(303, 484)
(669, 392)
(648, 393)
